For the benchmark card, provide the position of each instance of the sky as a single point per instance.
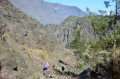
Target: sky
(93, 5)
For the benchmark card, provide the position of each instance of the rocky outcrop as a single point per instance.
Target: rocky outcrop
(63, 33)
(66, 31)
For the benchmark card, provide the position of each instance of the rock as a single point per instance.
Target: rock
(65, 32)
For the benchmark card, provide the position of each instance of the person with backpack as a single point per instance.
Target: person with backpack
(45, 68)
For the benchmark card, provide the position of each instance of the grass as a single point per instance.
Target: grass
(70, 19)
(44, 54)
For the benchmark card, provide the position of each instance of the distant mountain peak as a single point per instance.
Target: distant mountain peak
(46, 12)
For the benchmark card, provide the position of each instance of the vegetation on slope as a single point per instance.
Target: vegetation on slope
(71, 18)
(107, 35)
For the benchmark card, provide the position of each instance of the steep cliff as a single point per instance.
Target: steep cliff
(65, 32)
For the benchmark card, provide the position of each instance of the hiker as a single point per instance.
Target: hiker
(63, 68)
(45, 68)
(0, 65)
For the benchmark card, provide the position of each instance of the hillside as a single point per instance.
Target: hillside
(47, 13)
(26, 45)
(71, 47)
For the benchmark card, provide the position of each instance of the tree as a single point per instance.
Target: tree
(107, 3)
(103, 13)
(117, 12)
(117, 8)
(100, 25)
(89, 12)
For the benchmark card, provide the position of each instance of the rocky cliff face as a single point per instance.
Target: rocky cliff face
(47, 13)
(65, 32)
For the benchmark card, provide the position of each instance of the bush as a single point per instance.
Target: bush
(78, 43)
(96, 45)
(106, 43)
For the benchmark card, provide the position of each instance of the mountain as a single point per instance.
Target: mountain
(26, 45)
(46, 12)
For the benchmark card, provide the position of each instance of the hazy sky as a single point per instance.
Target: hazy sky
(94, 5)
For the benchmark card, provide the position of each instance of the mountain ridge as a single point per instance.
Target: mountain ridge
(46, 12)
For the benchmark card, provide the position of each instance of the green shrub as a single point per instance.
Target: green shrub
(78, 43)
(96, 45)
(106, 43)
(80, 66)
